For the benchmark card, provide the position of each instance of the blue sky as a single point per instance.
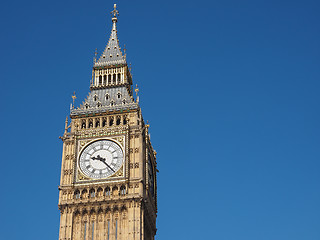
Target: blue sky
(231, 91)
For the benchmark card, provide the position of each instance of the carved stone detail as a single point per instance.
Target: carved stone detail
(81, 176)
(119, 173)
(83, 200)
(82, 143)
(67, 172)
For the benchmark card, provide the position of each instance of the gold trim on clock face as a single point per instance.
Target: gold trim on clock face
(101, 159)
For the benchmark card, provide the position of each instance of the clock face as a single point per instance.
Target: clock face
(101, 159)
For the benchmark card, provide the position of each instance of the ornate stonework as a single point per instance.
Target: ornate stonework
(122, 205)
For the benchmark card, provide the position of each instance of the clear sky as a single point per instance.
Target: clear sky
(231, 91)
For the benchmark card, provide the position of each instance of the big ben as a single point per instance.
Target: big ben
(108, 185)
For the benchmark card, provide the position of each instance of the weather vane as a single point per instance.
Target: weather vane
(115, 12)
(74, 97)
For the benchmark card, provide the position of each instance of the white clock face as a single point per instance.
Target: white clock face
(101, 159)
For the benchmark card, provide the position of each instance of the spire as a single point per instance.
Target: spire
(112, 54)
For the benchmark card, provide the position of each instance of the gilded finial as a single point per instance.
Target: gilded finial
(124, 50)
(137, 90)
(115, 13)
(95, 55)
(147, 125)
(73, 97)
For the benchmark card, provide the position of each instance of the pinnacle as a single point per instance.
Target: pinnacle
(112, 54)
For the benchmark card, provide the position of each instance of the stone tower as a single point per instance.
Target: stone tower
(108, 186)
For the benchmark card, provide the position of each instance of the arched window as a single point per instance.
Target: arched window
(109, 79)
(124, 101)
(77, 194)
(95, 98)
(114, 78)
(92, 212)
(119, 95)
(119, 78)
(125, 120)
(107, 191)
(123, 190)
(111, 121)
(107, 96)
(105, 80)
(97, 123)
(90, 124)
(83, 124)
(100, 80)
(104, 122)
(111, 103)
(92, 193)
(118, 120)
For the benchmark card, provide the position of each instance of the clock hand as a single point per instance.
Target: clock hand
(104, 161)
(101, 159)
(98, 158)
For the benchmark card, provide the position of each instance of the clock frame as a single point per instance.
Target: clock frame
(120, 173)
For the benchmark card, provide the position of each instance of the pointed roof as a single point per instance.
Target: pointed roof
(112, 54)
(106, 100)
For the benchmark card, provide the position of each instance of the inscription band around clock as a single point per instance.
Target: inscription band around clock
(101, 159)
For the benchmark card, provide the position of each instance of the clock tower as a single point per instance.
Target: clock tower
(108, 187)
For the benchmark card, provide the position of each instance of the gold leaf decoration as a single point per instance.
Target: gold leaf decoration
(81, 176)
(84, 142)
(119, 173)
